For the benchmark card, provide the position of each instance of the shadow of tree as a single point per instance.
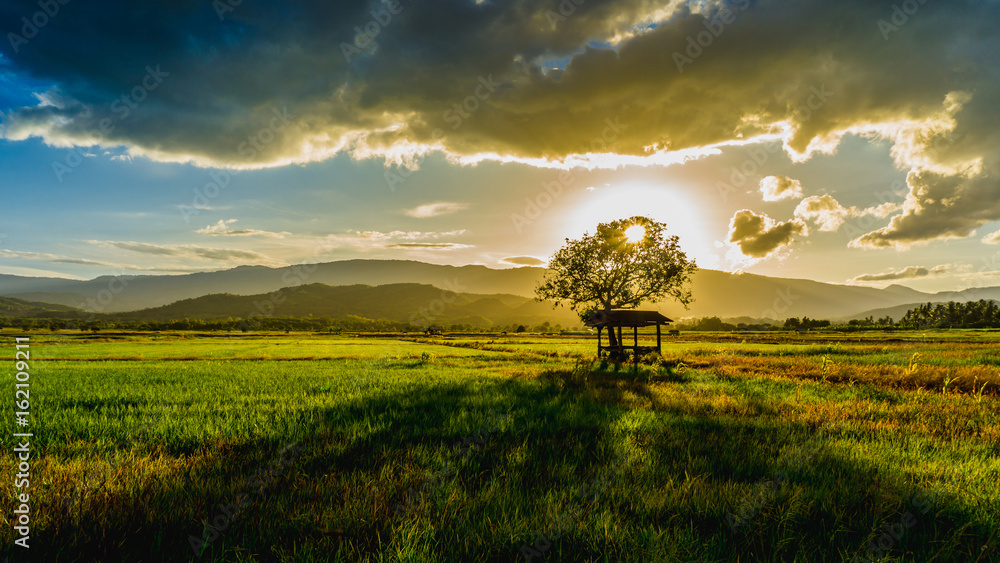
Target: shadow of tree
(689, 471)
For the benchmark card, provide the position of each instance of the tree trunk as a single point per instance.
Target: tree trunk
(615, 344)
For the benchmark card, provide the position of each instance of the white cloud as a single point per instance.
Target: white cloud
(777, 188)
(222, 229)
(910, 272)
(992, 238)
(428, 245)
(374, 240)
(828, 214)
(435, 209)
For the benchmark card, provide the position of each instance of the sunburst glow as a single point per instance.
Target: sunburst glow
(635, 233)
(663, 202)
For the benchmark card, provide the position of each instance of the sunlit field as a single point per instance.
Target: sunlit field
(314, 447)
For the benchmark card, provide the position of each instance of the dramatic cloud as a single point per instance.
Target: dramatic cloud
(777, 188)
(435, 209)
(938, 207)
(601, 83)
(405, 235)
(992, 238)
(825, 211)
(374, 240)
(524, 261)
(222, 229)
(759, 236)
(828, 214)
(910, 272)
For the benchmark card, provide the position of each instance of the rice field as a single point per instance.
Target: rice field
(314, 447)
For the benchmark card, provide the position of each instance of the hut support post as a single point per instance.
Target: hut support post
(658, 339)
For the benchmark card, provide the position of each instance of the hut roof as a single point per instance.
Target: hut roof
(626, 317)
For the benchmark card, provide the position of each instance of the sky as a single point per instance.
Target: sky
(847, 142)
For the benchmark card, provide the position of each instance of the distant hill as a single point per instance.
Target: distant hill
(11, 307)
(141, 292)
(416, 303)
(716, 293)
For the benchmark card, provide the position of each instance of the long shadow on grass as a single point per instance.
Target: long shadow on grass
(544, 440)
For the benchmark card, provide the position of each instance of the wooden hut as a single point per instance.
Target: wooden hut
(617, 319)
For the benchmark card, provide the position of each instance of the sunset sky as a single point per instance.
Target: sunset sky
(849, 141)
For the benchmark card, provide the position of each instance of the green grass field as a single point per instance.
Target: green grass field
(744, 448)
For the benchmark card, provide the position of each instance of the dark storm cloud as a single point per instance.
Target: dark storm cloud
(270, 84)
(219, 84)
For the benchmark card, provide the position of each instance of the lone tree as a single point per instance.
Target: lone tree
(621, 265)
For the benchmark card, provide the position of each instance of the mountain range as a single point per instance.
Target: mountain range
(413, 303)
(503, 293)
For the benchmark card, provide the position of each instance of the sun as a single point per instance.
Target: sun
(635, 233)
(682, 212)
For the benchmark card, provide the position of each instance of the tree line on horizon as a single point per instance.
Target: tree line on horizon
(954, 314)
(972, 314)
(349, 323)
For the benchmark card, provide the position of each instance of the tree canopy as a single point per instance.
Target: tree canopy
(623, 264)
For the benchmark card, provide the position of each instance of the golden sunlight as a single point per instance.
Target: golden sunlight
(681, 212)
(635, 233)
